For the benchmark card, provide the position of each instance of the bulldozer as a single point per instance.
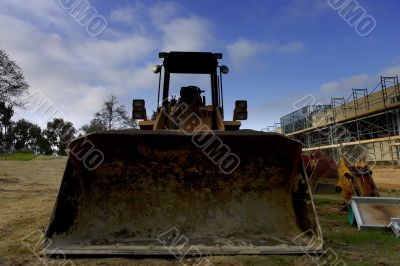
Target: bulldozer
(187, 182)
(355, 180)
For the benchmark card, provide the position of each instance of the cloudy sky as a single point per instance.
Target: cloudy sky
(278, 51)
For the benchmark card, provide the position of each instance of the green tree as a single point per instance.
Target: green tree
(60, 133)
(26, 136)
(6, 113)
(12, 81)
(44, 145)
(95, 125)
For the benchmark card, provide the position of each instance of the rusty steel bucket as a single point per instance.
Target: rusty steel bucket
(322, 172)
(166, 193)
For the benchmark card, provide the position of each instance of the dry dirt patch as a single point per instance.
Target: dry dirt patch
(27, 193)
(28, 190)
(387, 178)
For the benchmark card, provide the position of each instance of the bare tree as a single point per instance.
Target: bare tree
(111, 116)
(12, 81)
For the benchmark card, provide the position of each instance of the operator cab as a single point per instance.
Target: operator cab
(207, 104)
(192, 95)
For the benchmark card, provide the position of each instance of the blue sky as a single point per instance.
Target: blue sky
(278, 51)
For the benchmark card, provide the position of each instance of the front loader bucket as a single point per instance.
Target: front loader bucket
(169, 193)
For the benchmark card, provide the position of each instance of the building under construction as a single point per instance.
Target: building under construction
(366, 125)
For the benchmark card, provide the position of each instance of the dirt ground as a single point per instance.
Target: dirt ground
(28, 190)
(387, 178)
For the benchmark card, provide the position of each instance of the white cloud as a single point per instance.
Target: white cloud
(288, 48)
(75, 72)
(127, 50)
(162, 12)
(186, 34)
(48, 15)
(303, 9)
(132, 15)
(340, 88)
(38, 11)
(345, 85)
(128, 15)
(391, 71)
(76, 75)
(244, 50)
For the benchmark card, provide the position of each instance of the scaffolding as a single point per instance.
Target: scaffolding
(365, 126)
(335, 102)
(276, 128)
(302, 118)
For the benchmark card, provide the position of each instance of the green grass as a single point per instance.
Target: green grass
(387, 193)
(365, 247)
(48, 157)
(18, 156)
(328, 199)
(25, 156)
